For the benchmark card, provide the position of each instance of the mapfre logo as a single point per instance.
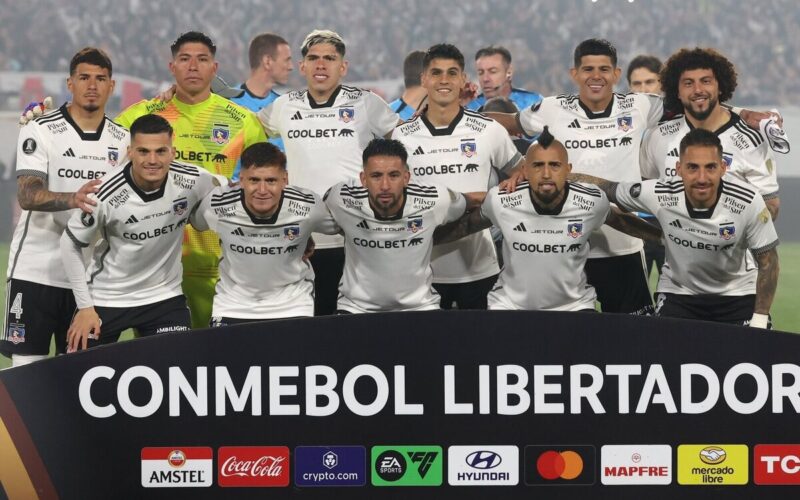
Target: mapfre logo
(776, 464)
(636, 464)
(253, 466)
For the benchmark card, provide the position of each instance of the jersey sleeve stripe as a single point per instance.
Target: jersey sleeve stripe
(738, 190)
(290, 196)
(765, 248)
(754, 135)
(475, 114)
(585, 190)
(75, 240)
(102, 196)
(299, 194)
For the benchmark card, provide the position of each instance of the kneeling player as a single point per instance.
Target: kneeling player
(134, 279)
(263, 227)
(388, 224)
(710, 225)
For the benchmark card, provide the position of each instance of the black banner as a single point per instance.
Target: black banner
(455, 404)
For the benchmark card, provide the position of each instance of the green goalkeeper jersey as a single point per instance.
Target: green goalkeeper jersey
(211, 134)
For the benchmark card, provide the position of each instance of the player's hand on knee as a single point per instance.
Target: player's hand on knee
(34, 109)
(166, 95)
(85, 325)
(83, 199)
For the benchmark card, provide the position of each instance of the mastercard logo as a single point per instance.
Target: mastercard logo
(564, 465)
(560, 465)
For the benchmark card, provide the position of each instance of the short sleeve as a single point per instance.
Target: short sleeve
(633, 196)
(504, 155)
(269, 116)
(454, 202)
(382, 120)
(533, 118)
(761, 234)
(82, 227)
(32, 158)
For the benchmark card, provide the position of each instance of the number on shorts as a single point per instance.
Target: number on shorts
(16, 306)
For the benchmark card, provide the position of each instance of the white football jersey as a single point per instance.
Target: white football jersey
(324, 141)
(262, 274)
(138, 261)
(545, 251)
(464, 157)
(705, 250)
(744, 151)
(54, 148)
(387, 262)
(604, 145)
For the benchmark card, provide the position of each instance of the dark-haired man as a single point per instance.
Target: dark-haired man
(643, 74)
(60, 159)
(270, 58)
(711, 224)
(388, 223)
(495, 74)
(462, 150)
(324, 128)
(263, 226)
(134, 277)
(697, 82)
(210, 131)
(413, 92)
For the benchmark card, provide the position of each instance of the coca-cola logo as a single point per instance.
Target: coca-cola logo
(262, 466)
(253, 466)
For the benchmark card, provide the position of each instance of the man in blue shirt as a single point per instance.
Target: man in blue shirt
(494, 76)
(407, 104)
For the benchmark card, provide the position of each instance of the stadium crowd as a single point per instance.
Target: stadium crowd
(539, 33)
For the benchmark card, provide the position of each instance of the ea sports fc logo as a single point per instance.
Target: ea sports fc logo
(554, 465)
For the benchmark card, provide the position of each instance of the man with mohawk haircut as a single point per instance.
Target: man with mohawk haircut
(546, 223)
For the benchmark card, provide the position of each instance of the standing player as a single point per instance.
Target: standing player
(263, 226)
(414, 93)
(134, 278)
(210, 131)
(270, 58)
(711, 225)
(324, 129)
(643, 75)
(495, 73)
(698, 81)
(388, 223)
(462, 150)
(60, 158)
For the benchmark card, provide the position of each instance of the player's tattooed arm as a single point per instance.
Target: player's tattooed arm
(632, 225)
(469, 223)
(774, 206)
(608, 187)
(33, 194)
(767, 280)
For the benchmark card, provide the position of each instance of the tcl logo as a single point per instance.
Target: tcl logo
(776, 464)
(254, 466)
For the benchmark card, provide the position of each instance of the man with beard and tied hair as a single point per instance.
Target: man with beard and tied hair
(711, 224)
(697, 82)
(546, 224)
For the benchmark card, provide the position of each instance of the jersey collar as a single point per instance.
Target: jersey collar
(603, 114)
(730, 123)
(549, 211)
(703, 214)
(85, 136)
(327, 104)
(127, 172)
(443, 131)
(259, 220)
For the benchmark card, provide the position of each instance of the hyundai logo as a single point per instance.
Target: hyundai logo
(483, 459)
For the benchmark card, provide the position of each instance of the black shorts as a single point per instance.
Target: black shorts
(470, 295)
(719, 308)
(620, 283)
(170, 315)
(34, 314)
(328, 266)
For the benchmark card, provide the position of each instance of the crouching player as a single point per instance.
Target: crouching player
(134, 277)
(264, 226)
